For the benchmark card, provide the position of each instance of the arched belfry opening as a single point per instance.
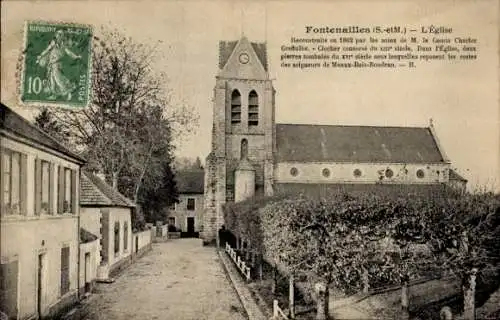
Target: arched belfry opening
(235, 107)
(244, 149)
(253, 108)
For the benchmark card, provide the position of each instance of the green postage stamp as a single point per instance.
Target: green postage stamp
(57, 64)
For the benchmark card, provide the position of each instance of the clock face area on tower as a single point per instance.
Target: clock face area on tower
(244, 58)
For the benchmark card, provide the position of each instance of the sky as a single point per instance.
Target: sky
(461, 98)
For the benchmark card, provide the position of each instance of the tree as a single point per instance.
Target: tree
(46, 121)
(127, 131)
(157, 199)
(185, 164)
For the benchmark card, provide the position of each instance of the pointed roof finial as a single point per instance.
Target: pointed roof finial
(242, 23)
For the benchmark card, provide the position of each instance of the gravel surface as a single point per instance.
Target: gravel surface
(179, 280)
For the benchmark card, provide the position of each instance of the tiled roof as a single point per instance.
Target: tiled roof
(190, 181)
(95, 192)
(455, 176)
(87, 236)
(261, 51)
(13, 122)
(303, 142)
(226, 49)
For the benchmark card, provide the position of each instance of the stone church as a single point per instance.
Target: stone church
(252, 155)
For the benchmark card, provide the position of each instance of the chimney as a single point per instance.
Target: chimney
(431, 122)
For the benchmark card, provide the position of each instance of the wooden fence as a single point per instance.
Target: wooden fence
(278, 313)
(242, 266)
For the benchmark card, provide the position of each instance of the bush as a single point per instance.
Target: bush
(336, 239)
(172, 228)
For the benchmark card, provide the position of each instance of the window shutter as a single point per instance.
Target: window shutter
(2, 183)
(60, 190)
(23, 192)
(38, 186)
(73, 192)
(51, 188)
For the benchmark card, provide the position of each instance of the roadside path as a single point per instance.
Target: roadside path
(179, 280)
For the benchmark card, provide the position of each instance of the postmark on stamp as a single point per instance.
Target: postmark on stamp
(57, 64)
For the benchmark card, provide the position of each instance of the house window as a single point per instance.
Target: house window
(66, 183)
(172, 206)
(65, 284)
(117, 237)
(326, 172)
(190, 204)
(45, 185)
(8, 288)
(294, 171)
(421, 173)
(125, 236)
(253, 108)
(11, 176)
(171, 221)
(244, 149)
(357, 173)
(235, 107)
(67, 191)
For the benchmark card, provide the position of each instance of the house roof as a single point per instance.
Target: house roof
(94, 192)
(190, 181)
(304, 143)
(455, 176)
(14, 123)
(87, 236)
(226, 48)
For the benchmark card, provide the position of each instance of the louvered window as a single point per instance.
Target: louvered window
(235, 107)
(253, 109)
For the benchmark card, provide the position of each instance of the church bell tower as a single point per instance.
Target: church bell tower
(240, 164)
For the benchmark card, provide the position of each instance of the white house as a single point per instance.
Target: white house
(106, 212)
(187, 214)
(39, 202)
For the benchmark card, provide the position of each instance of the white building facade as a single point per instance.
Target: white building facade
(39, 201)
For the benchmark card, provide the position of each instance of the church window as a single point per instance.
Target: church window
(326, 172)
(389, 173)
(253, 108)
(235, 107)
(244, 149)
(357, 173)
(420, 173)
(294, 171)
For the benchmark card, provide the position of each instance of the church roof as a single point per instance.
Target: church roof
(455, 176)
(226, 48)
(305, 143)
(190, 181)
(12, 122)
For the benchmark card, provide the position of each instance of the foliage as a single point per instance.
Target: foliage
(127, 131)
(156, 198)
(187, 164)
(138, 221)
(338, 238)
(243, 219)
(46, 121)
